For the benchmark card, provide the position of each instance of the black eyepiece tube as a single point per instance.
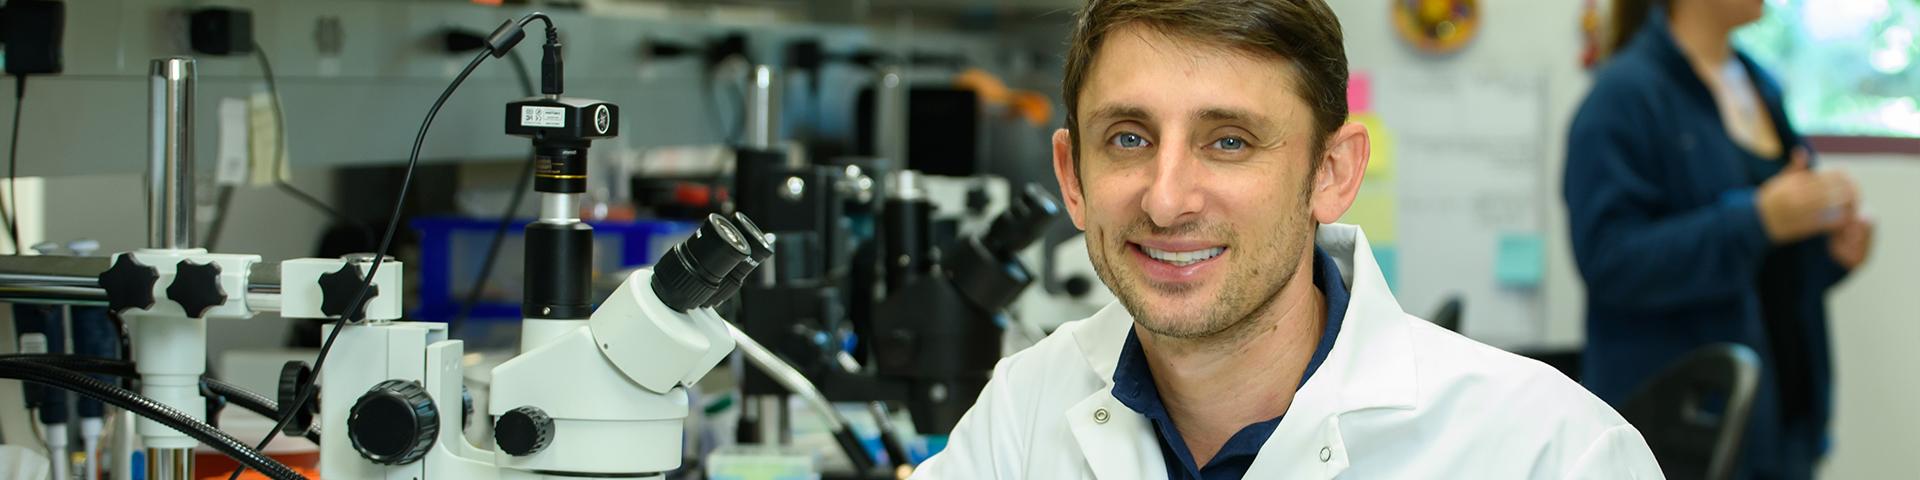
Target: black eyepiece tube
(693, 271)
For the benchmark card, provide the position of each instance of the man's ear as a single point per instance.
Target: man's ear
(1337, 181)
(1066, 172)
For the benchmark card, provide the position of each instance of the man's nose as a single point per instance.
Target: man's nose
(1175, 191)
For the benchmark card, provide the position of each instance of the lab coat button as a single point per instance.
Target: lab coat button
(1100, 415)
(1326, 454)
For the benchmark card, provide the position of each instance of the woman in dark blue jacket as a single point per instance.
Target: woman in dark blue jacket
(1696, 219)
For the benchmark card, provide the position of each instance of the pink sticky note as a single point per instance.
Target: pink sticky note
(1359, 92)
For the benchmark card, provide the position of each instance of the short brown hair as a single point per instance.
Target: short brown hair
(1303, 32)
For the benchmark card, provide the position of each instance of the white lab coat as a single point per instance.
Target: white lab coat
(1397, 397)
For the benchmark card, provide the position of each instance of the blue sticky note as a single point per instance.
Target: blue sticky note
(1388, 258)
(1520, 260)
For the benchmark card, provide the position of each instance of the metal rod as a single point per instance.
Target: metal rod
(59, 290)
(905, 185)
(785, 375)
(847, 362)
(170, 463)
(773, 419)
(47, 280)
(763, 108)
(58, 270)
(53, 295)
(57, 265)
(890, 116)
(170, 154)
(122, 460)
(263, 302)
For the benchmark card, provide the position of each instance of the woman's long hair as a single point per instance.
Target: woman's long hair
(1627, 18)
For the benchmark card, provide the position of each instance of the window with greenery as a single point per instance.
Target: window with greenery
(1850, 67)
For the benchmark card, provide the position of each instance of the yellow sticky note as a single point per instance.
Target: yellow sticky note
(1375, 212)
(1380, 164)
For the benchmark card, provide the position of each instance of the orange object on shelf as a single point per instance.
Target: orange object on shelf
(210, 465)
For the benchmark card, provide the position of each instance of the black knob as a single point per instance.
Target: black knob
(394, 423)
(523, 431)
(690, 273)
(337, 290)
(760, 249)
(129, 284)
(1078, 286)
(196, 287)
(293, 375)
(977, 200)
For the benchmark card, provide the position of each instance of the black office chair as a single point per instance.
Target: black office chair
(1675, 411)
(1448, 316)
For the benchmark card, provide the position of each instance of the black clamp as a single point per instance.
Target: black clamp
(129, 284)
(337, 290)
(196, 287)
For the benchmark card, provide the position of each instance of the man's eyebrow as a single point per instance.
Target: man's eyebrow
(1121, 111)
(1222, 114)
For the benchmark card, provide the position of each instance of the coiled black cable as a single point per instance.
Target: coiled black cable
(241, 397)
(57, 377)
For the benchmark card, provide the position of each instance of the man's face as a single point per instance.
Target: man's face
(1193, 181)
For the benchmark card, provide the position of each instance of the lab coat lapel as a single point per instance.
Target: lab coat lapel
(1370, 366)
(1118, 443)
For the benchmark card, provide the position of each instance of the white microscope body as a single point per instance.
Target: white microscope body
(614, 385)
(603, 397)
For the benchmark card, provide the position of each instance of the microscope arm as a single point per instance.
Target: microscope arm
(797, 383)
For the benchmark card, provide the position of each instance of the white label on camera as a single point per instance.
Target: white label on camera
(550, 117)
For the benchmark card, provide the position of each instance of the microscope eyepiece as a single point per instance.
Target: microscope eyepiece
(690, 273)
(756, 241)
(758, 244)
(1026, 218)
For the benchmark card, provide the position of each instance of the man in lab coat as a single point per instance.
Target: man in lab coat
(1205, 154)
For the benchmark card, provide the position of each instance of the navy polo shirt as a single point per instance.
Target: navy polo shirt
(1133, 386)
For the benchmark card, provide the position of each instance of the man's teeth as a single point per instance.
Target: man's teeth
(1183, 258)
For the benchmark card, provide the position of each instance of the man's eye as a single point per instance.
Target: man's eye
(1129, 140)
(1230, 144)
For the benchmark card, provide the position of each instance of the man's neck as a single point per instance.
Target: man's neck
(1215, 386)
(1701, 38)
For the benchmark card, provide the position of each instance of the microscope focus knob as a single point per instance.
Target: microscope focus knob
(129, 284)
(293, 375)
(196, 287)
(523, 431)
(394, 423)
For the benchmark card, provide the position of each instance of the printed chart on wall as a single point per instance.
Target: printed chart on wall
(1453, 199)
